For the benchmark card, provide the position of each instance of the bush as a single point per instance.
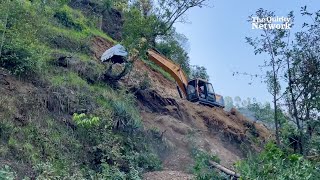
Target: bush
(70, 18)
(17, 61)
(273, 163)
(22, 52)
(6, 173)
(202, 168)
(149, 162)
(86, 121)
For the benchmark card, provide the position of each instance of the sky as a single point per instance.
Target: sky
(216, 37)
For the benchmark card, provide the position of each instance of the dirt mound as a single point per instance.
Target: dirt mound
(167, 175)
(187, 125)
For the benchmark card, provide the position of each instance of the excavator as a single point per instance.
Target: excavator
(195, 90)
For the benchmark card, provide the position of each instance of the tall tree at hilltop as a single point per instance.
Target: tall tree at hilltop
(171, 11)
(157, 17)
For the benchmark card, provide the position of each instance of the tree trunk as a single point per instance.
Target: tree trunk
(295, 110)
(276, 120)
(224, 169)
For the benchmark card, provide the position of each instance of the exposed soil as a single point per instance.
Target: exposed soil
(167, 175)
(184, 125)
(99, 45)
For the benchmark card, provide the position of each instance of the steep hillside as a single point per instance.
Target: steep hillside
(187, 126)
(61, 119)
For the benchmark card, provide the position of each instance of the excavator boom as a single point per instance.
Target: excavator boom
(172, 68)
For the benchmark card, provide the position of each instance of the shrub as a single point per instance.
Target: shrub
(18, 61)
(71, 18)
(22, 52)
(202, 168)
(273, 163)
(149, 162)
(6, 173)
(86, 121)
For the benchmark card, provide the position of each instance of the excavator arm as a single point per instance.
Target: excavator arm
(172, 68)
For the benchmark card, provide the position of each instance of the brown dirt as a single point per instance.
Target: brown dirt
(185, 125)
(99, 45)
(167, 175)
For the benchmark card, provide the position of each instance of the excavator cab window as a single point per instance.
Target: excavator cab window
(202, 90)
(206, 92)
(191, 90)
(210, 89)
(211, 95)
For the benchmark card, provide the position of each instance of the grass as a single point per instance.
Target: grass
(99, 33)
(69, 79)
(159, 69)
(50, 142)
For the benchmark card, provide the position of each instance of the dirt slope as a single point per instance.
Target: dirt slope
(184, 125)
(170, 175)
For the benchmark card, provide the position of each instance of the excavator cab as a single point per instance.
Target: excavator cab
(199, 90)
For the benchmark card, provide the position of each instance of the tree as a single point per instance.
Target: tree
(299, 58)
(171, 11)
(172, 47)
(4, 29)
(137, 29)
(237, 99)
(199, 72)
(228, 102)
(158, 16)
(303, 66)
(271, 43)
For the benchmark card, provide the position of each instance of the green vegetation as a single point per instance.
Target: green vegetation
(273, 163)
(293, 58)
(149, 25)
(159, 69)
(292, 78)
(202, 169)
(104, 138)
(7, 173)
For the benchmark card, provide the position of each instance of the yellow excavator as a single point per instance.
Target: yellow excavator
(194, 90)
